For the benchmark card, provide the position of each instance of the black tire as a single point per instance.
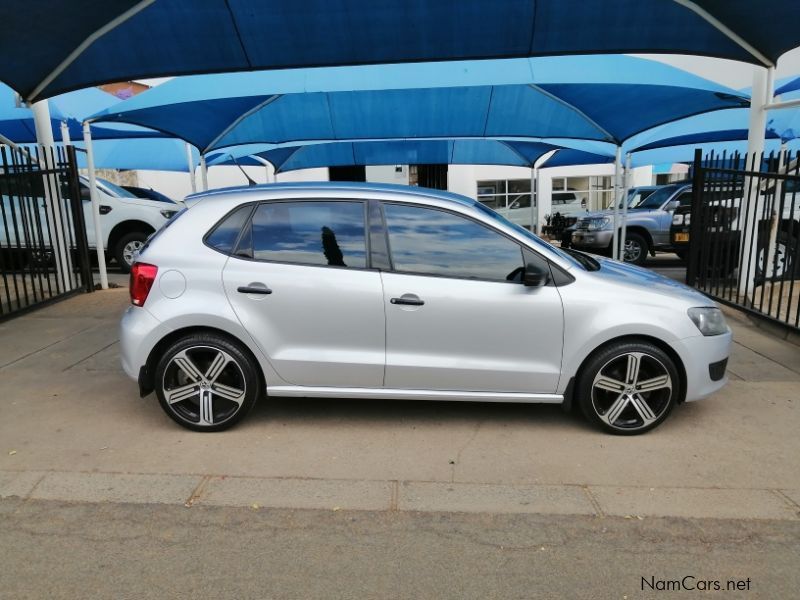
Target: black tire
(639, 245)
(122, 249)
(608, 409)
(174, 377)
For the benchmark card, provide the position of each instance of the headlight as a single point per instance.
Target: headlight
(168, 214)
(709, 320)
(677, 219)
(598, 223)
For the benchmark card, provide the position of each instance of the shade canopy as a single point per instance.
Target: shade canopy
(600, 98)
(17, 124)
(792, 85)
(395, 152)
(69, 45)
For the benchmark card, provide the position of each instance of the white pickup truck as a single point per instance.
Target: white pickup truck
(126, 222)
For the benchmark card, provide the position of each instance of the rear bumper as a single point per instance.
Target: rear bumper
(139, 332)
(702, 358)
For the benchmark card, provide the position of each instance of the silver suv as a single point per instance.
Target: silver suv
(647, 225)
(389, 292)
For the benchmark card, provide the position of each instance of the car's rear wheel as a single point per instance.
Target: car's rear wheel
(628, 387)
(206, 382)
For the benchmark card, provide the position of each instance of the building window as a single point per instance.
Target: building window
(594, 192)
(505, 193)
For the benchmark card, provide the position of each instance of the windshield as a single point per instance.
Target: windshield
(530, 235)
(115, 189)
(657, 198)
(635, 197)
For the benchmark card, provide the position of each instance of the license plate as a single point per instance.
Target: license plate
(681, 237)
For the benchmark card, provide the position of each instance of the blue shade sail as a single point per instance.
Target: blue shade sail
(395, 152)
(600, 98)
(60, 46)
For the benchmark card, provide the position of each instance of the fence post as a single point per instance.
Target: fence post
(81, 242)
(696, 212)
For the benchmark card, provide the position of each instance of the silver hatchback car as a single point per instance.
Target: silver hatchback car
(373, 291)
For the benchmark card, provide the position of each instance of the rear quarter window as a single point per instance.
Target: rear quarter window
(225, 233)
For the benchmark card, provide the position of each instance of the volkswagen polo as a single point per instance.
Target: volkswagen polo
(336, 290)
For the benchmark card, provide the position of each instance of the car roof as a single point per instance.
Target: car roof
(334, 186)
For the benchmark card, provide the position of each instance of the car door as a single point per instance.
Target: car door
(682, 198)
(457, 315)
(299, 282)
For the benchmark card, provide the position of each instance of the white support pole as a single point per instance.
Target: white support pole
(615, 234)
(626, 178)
(203, 172)
(752, 200)
(65, 139)
(534, 202)
(190, 163)
(58, 237)
(98, 227)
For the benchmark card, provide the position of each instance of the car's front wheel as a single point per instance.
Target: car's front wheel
(628, 387)
(127, 247)
(206, 382)
(636, 248)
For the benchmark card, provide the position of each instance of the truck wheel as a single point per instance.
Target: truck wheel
(635, 249)
(126, 248)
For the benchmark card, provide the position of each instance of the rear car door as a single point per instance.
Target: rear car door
(300, 282)
(457, 315)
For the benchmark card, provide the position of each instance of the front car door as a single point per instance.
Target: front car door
(457, 315)
(300, 283)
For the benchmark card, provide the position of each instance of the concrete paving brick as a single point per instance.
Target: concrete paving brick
(116, 487)
(691, 502)
(297, 493)
(463, 497)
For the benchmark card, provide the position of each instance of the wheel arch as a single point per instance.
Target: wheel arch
(659, 343)
(147, 373)
(126, 227)
(643, 231)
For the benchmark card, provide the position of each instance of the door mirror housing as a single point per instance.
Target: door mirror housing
(535, 276)
(672, 205)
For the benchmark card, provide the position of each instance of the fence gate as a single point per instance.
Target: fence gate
(43, 247)
(744, 231)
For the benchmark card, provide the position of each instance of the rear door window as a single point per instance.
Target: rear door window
(321, 233)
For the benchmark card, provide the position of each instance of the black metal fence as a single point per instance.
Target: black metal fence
(43, 247)
(744, 231)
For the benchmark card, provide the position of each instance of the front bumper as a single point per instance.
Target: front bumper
(592, 239)
(702, 358)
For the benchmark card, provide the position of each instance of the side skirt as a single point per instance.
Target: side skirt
(394, 394)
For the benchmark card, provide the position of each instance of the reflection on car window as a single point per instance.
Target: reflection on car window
(224, 235)
(311, 233)
(433, 242)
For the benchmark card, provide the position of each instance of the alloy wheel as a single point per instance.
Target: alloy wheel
(631, 391)
(204, 386)
(632, 252)
(130, 250)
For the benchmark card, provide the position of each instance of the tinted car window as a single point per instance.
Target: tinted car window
(311, 233)
(433, 242)
(224, 235)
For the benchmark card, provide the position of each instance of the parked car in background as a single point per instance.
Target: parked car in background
(336, 290)
(723, 233)
(635, 196)
(126, 222)
(647, 225)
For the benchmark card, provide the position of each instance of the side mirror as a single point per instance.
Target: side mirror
(672, 205)
(535, 276)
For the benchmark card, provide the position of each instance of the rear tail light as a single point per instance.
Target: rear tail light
(142, 278)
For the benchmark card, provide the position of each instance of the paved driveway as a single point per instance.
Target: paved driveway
(74, 428)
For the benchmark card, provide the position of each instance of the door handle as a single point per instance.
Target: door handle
(408, 300)
(253, 289)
